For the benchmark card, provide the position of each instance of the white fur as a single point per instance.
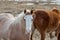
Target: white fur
(19, 17)
(5, 21)
(29, 22)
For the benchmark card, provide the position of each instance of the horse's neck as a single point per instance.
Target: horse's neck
(19, 22)
(19, 18)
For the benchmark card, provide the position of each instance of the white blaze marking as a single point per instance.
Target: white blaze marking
(29, 21)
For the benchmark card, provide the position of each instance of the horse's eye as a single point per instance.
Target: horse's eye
(32, 20)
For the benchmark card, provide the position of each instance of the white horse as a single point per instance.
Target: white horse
(5, 21)
(14, 28)
(18, 29)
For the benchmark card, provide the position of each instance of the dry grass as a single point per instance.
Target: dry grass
(37, 36)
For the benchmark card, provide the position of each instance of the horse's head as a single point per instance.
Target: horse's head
(28, 13)
(28, 18)
(55, 10)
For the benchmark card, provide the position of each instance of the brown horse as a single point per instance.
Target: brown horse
(58, 29)
(45, 21)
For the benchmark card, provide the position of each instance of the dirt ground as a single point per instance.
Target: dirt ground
(37, 36)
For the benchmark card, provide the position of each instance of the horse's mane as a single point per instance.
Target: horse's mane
(18, 26)
(19, 17)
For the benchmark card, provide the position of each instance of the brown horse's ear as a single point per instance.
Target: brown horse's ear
(25, 11)
(55, 10)
(32, 11)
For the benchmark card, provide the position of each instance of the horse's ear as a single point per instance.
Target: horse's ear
(32, 11)
(25, 11)
(55, 10)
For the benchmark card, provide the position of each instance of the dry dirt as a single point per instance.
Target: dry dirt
(37, 36)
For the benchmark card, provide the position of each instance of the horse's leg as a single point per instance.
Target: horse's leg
(42, 35)
(58, 37)
(32, 32)
(51, 36)
(31, 35)
(12, 38)
(56, 32)
(0, 38)
(5, 38)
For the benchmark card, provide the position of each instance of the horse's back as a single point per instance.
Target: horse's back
(48, 20)
(9, 15)
(5, 21)
(43, 18)
(4, 17)
(54, 21)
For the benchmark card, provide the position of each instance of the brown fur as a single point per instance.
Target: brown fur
(55, 10)
(45, 21)
(58, 29)
(58, 36)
